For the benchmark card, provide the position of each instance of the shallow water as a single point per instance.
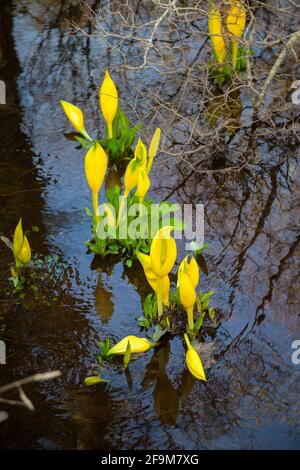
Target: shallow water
(251, 399)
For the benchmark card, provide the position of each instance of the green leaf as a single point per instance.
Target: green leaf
(85, 143)
(113, 248)
(198, 323)
(207, 296)
(158, 333)
(89, 212)
(128, 263)
(104, 348)
(143, 322)
(211, 313)
(148, 306)
(124, 123)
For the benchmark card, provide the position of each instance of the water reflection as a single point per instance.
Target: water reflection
(104, 302)
(165, 395)
(225, 107)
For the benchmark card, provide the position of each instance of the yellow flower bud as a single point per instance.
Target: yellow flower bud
(18, 239)
(187, 291)
(153, 148)
(21, 247)
(191, 268)
(138, 345)
(75, 116)
(25, 253)
(95, 166)
(216, 33)
(143, 184)
(235, 24)
(188, 278)
(236, 19)
(95, 169)
(163, 252)
(193, 361)
(108, 101)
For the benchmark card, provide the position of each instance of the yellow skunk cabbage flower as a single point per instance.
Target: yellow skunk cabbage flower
(108, 102)
(152, 278)
(235, 24)
(188, 278)
(191, 268)
(131, 176)
(193, 361)
(143, 184)
(95, 169)
(216, 33)
(187, 296)
(75, 116)
(140, 152)
(21, 247)
(138, 345)
(153, 148)
(163, 254)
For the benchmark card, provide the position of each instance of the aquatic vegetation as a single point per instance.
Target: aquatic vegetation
(119, 136)
(193, 361)
(109, 101)
(122, 224)
(188, 278)
(164, 306)
(21, 247)
(95, 170)
(76, 118)
(215, 29)
(235, 25)
(158, 264)
(22, 255)
(137, 345)
(226, 26)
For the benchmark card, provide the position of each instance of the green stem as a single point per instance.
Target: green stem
(190, 318)
(86, 135)
(159, 297)
(188, 343)
(110, 130)
(95, 204)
